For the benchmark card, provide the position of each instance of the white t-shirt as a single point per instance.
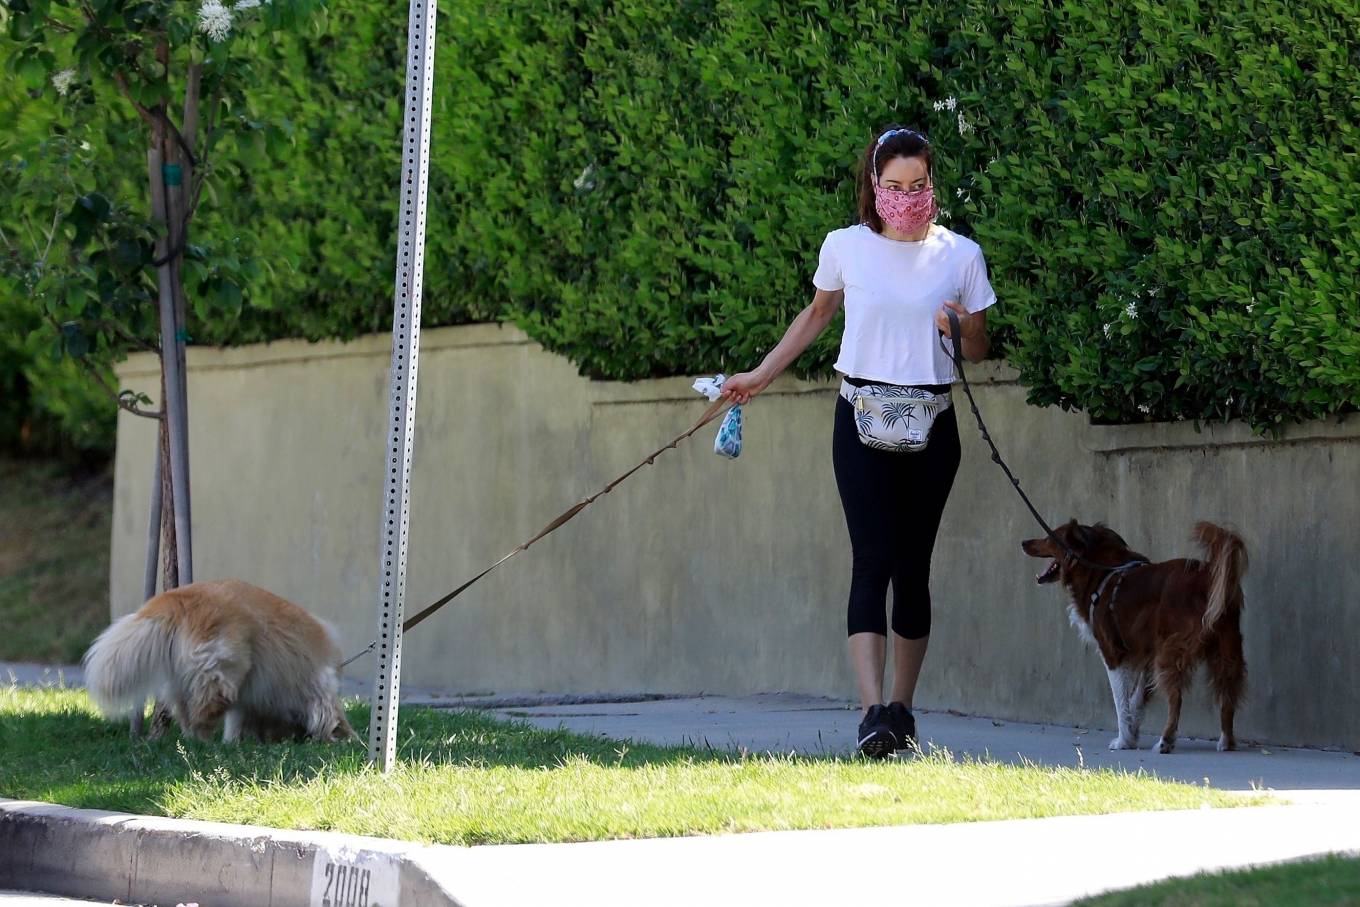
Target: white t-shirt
(892, 291)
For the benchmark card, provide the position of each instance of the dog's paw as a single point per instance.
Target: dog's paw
(1226, 743)
(1165, 746)
(1123, 743)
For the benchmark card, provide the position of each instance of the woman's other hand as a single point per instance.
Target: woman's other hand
(971, 327)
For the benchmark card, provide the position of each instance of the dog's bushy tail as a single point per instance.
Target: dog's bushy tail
(1226, 554)
(128, 663)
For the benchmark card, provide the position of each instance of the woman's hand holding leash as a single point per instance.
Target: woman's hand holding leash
(741, 388)
(969, 326)
(972, 329)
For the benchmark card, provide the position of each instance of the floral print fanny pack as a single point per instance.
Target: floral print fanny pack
(893, 417)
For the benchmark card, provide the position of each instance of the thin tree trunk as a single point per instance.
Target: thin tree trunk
(169, 555)
(173, 384)
(178, 236)
(154, 521)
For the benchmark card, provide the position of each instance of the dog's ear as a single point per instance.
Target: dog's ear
(1104, 535)
(1118, 538)
(1082, 538)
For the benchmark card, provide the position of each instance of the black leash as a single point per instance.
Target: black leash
(957, 356)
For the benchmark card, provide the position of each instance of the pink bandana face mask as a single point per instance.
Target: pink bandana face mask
(903, 210)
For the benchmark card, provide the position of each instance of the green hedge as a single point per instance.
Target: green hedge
(1166, 192)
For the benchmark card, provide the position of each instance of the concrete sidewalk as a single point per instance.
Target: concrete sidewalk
(1029, 862)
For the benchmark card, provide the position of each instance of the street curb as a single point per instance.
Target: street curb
(90, 853)
(144, 860)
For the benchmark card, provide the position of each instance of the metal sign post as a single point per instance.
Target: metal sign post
(401, 411)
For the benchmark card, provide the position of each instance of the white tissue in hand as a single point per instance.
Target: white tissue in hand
(710, 387)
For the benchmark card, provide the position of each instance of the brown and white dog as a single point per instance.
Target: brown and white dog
(222, 652)
(1154, 623)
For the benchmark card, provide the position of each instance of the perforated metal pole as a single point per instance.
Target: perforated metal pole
(401, 409)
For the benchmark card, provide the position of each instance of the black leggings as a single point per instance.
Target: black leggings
(893, 503)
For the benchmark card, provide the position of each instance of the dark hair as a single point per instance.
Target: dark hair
(903, 143)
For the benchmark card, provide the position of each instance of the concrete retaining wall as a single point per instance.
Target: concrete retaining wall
(702, 574)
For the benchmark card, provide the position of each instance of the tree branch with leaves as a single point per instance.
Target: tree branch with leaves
(146, 87)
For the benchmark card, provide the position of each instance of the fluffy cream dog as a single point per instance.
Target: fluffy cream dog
(222, 652)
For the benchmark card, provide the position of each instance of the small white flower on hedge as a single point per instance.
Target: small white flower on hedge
(1144, 408)
(1131, 310)
(62, 81)
(214, 20)
(1107, 329)
(584, 181)
(965, 127)
(948, 103)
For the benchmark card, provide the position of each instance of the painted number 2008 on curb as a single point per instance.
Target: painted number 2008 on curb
(346, 886)
(354, 880)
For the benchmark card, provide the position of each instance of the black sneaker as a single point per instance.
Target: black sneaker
(903, 725)
(876, 738)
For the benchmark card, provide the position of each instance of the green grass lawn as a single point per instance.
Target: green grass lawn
(465, 778)
(54, 560)
(1327, 882)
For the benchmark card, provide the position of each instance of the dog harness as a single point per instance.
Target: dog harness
(1116, 574)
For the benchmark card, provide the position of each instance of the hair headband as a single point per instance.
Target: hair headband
(892, 132)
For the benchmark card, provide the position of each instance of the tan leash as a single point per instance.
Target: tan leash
(714, 410)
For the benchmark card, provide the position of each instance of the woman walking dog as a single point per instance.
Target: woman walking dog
(895, 442)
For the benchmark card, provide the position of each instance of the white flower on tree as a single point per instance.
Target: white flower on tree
(61, 81)
(214, 20)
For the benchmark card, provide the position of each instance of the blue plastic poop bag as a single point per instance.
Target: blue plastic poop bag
(728, 442)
